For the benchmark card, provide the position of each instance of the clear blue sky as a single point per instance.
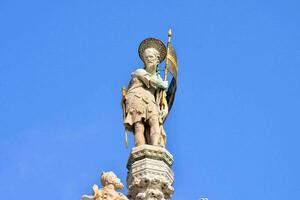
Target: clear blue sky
(234, 129)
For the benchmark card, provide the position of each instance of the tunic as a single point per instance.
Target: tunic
(140, 99)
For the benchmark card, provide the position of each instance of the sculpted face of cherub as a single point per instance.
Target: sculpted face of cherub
(117, 183)
(109, 178)
(151, 59)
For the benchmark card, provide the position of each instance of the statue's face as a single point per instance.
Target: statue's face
(117, 183)
(108, 178)
(150, 57)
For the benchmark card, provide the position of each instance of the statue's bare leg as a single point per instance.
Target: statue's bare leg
(154, 130)
(139, 137)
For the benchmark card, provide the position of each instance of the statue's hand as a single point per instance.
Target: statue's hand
(163, 113)
(157, 82)
(164, 108)
(163, 101)
(165, 84)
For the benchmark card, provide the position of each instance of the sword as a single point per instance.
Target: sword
(124, 113)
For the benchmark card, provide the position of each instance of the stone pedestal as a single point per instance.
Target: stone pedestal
(149, 173)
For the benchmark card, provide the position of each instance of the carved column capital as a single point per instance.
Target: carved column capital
(149, 173)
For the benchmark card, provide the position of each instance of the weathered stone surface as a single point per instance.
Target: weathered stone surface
(144, 103)
(149, 173)
(110, 183)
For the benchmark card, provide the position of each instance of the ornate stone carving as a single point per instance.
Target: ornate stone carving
(110, 183)
(149, 174)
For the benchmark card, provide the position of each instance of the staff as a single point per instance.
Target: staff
(163, 92)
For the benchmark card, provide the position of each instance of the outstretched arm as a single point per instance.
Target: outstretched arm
(96, 193)
(88, 197)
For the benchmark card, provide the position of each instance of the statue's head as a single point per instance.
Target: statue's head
(152, 51)
(110, 178)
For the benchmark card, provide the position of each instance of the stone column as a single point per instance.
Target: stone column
(149, 173)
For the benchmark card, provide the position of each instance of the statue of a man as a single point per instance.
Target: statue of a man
(110, 183)
(144, 112)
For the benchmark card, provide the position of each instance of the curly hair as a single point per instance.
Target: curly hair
(108, 178)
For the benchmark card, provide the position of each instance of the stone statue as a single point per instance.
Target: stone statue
(110, 183)
(145, 103)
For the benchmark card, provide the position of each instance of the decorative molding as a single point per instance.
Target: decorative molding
(149, 173)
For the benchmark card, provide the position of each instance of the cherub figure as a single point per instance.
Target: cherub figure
(110, 183)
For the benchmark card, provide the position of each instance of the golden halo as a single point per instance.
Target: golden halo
(153, 43)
